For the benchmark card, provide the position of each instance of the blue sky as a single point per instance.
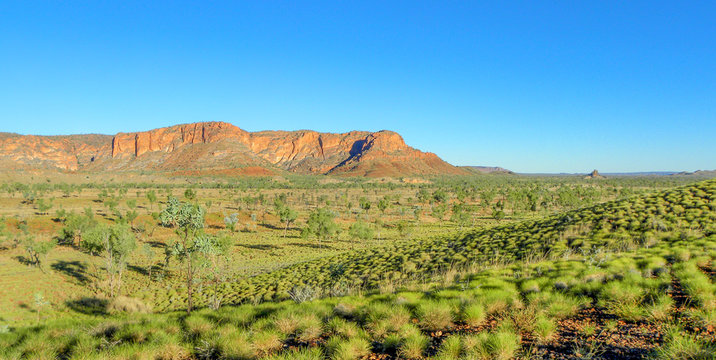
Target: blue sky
(550, 86)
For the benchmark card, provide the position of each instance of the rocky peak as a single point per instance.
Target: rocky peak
(594, 175)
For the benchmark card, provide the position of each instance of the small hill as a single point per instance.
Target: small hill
(222, 148)
(698, 173)
(487, 169)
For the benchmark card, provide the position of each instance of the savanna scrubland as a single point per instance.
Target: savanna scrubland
(455, 267)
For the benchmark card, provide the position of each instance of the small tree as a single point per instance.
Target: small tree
(440, 196)
(131, 215)
(111, 204)
(287, 217)
(170, 215)
(364, 203)
(115, 243)
(498, 214)
(38, 250)
(439, 211)
(193, 246)
(379, 225)
(230, 221)
(320, 224)
(460, 215)
(383, 204)
(152, 197)
(148, 254)
(190, 194)
(29, 197)
(43, 206)
(404, 228)
(360, 230)
(75, 227)
(40, 304)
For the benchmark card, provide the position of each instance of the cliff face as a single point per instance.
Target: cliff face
(47, 152)
(220, 146)
(170, 138)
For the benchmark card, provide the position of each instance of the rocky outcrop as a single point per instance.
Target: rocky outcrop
(212, 146)
(594, 175)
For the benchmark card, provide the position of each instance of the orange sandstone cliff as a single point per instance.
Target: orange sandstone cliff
(217, 147)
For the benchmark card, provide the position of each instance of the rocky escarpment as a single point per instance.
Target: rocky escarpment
(220, 145)
(50, 152)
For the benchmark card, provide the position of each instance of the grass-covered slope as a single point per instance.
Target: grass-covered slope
(615, 225)
(623, 280)
(657, 302)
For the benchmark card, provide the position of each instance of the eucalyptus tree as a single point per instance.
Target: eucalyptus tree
(152, 197)
(286, 214)
(38, 250)
(43, 206)
(383, 204)
(320, 224)
(364, 203)
(76, 225)
(115, 243)
(193, 246)
(460, 215)
(360, 230)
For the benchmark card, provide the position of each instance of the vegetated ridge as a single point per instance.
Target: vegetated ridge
(487, 169)
(222, 148)
(613, 225)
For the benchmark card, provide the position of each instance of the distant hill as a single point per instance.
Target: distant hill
(698, 173)
(487, 169)
(222, 148)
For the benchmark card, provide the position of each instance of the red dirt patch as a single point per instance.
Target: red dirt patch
(242, 171)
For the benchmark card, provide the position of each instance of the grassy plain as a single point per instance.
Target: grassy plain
(543, 245)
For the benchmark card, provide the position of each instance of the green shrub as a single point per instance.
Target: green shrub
(266, 342)
(500, 345)
(451, 348)
(123, 304)
(350, 349)
(435, 315)
(544, 329)
(474, 314)
(413, 346)
(682, 345)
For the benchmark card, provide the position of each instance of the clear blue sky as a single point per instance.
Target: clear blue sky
(533, 86)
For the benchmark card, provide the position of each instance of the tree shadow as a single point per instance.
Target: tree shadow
(138, 269)
(23, 305)
(75, 269)
(311, 245)
(88, 306)
(156, 244)
(272, 227)
(24, 260)
(259, 246)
